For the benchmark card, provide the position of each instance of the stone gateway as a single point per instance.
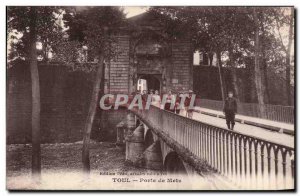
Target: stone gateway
(145, 52)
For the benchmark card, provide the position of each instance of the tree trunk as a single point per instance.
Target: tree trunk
(210, 94)
(265, 70)
(211, 57)
(235, 82)
(91, 115)
(45, 52)
(265, 77)
(220, 75)
(288, 59)
(36, 105)
(233, 74)
(257, 70)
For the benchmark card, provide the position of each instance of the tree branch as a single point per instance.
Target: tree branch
(280, 37)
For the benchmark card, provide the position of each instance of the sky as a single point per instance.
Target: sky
(132, 11)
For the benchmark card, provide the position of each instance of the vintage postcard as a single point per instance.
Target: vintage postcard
(150, 98)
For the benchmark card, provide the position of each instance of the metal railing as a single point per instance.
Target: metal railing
(247, 161)
(271, 112)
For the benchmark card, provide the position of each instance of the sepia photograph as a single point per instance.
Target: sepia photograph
(150, 98)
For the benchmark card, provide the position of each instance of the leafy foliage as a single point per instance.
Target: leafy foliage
(230, 29)
(94, 27)
(18, 27)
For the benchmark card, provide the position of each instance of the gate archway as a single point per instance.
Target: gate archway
(153, 81)
(174, 165)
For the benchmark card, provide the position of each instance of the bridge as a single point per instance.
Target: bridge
(159, 139)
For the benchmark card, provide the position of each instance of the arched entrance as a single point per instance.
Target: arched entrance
(173, 164)
(152, 81)
(148, 139)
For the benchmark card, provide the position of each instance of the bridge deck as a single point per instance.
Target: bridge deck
(250, 130)
(269, 124)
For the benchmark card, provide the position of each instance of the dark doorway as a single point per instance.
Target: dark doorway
(148, 139)
(152, 81)
(173, 164)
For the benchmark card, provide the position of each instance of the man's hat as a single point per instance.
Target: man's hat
(191, 91)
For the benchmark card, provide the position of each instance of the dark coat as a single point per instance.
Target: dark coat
(187, 101)
(230, 105)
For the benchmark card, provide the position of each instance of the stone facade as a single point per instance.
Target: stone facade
(117, 70)
(146, 53)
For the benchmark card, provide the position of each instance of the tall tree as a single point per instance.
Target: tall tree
(233, 31)
(32, 21)
(284, 19)
(36, 104)
(257, 69)
(221, 77)
(277, 36)
(288, 56)
(96, 27)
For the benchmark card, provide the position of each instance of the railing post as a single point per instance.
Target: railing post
(256, 161)
(245, 142)
(262, 163)
(284, 154)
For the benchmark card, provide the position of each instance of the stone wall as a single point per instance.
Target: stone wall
(182, 65)
(207, 85)
(65, 98)
(117, 78)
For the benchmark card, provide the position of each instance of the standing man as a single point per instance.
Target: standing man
(187, 104)
(230, 109)
(177, 103)
(144, 95)
(155, 99)
(170, 102)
